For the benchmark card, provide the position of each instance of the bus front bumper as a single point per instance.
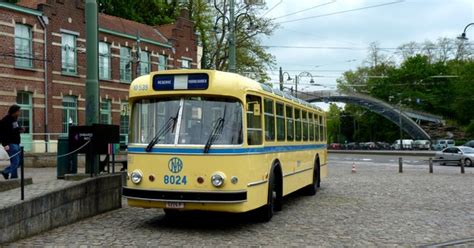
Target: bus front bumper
(185, 196)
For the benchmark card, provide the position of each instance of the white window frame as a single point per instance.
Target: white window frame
(23, 53)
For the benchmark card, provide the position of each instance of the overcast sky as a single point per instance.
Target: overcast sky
(390, 25)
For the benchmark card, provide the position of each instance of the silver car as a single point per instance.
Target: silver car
(456, 154)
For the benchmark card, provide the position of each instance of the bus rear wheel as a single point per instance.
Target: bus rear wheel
(312, 189)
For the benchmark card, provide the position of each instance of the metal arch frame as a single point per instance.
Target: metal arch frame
(375, 105)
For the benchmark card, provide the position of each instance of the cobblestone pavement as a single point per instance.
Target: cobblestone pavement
(376, 206)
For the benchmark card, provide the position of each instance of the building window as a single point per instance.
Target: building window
(163, 63)
(106, 111)
(69, 112)
(290, 130)
(125, 65)
(254, 120)
(185, 64)
(104, 61)
(124, 118)
(69, 54)
(23, 46)
(23, 99)
(144, 63)
(269, 120)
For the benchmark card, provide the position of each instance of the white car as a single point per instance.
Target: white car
(456, 154)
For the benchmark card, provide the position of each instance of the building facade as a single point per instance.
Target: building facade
(43, 64)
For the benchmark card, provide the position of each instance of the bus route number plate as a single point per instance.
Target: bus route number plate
(175, 205)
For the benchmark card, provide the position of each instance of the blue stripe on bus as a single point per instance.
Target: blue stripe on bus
(256, 150)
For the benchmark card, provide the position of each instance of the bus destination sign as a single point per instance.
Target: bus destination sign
(181, 82)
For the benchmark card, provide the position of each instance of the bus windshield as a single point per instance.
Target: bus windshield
(197, 117)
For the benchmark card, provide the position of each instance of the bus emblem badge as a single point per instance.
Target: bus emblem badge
(175, 165)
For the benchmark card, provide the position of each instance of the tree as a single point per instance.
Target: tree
(334, 124)
(433, 77)
(213, 25)
(150, 12)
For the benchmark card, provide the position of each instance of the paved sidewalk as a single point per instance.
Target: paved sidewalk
(44, 181)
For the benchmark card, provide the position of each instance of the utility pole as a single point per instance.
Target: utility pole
(92, 79)
(400, 124)
(281, 79)
(232, 53)
(296, 86)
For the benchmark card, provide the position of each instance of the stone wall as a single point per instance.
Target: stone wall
(63, 206)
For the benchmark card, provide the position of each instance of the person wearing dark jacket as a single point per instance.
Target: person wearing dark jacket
(10, 138)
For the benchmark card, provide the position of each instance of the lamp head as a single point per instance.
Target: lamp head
(463, 36)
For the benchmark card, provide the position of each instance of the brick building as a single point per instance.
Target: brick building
(43, 64)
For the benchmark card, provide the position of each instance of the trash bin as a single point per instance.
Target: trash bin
(65, 164)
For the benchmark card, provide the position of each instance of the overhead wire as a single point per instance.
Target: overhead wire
(304, 10)
(343, 11)
(272, 8)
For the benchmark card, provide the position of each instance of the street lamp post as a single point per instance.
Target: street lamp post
(463, 35)
(232, 52)
(282, 75)
(297, 77)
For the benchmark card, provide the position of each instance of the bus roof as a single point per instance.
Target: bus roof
(218, 83)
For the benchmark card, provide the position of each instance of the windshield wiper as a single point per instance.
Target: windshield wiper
(216, 131)
(169, 125)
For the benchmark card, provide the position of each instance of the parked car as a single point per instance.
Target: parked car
(383, 145)
(407, 144)
(440, 144)
(421, 144)
(352, 146)
(335, 146)
(470, 143)
(456, 155)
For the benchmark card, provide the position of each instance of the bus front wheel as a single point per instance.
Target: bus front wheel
(266, 212)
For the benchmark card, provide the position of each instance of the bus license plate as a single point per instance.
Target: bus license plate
(175, 205)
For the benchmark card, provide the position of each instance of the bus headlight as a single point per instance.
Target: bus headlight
(136, 177)
(218, 179)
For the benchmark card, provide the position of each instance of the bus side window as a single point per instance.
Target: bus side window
(280, 115)
(321, 129)
(298, 124)
(316, 128)
(305, 125)
(254, 120)
(324, 129)
(311, 127)
(290, 128)
(269, 120)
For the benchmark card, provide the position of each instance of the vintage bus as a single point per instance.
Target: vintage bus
(217, 141)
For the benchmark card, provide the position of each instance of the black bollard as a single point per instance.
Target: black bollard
(400, 165)
(22, 176)
(431, 165)
(462, 166)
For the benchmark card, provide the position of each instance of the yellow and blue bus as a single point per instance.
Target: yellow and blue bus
(216, 141)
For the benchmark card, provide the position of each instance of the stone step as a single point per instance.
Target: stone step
(13, 184)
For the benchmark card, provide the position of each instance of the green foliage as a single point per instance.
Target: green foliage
(436, 78)
(470, 130)
(212, 22)
(334, 124)
(151, 12)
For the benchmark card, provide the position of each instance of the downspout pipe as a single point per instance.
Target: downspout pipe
(45, 67)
